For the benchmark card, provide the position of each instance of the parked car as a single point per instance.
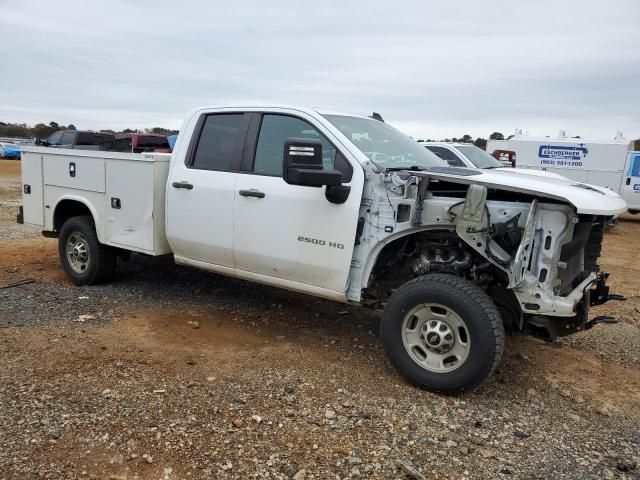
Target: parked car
(347, 208)
(9, 150)
(609, 164)
(470, 156)
(81, 140)
(141, 142)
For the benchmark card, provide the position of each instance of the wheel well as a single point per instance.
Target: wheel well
(67, 209)
(396, 250)
(439, 251)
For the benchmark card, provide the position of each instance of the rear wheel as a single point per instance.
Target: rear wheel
(85, 260)
(443, 333)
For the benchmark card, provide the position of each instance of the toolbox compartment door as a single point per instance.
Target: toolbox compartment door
(75, 171)
(32, 191)
(135, 205)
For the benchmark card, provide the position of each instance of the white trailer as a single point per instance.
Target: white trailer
(607, 163)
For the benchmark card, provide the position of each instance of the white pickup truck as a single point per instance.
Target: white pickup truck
(346, 208)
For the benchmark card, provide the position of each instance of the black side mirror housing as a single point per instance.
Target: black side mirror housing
(303, 164)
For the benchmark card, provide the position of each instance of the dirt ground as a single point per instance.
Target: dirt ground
(171, 373)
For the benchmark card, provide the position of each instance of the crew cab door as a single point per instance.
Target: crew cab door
(201, 189)
(293, 232)
(630, 189)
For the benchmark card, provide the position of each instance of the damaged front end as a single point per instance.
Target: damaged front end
(544, 254)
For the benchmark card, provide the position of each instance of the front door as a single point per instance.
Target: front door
(201, 191)
(630, 189)
(287, 231)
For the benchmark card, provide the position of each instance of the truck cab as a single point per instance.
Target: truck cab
(80, 140)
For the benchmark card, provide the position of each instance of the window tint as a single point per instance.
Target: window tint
(217, 142)
(88, 138)
(275, 130)
(54, 139)
(446, 154)
(67, 138)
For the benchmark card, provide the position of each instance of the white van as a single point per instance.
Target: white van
(607, 163)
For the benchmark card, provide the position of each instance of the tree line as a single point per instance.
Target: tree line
(42, 130)
(478, 142)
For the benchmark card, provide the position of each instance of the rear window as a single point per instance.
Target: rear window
(90, 138)
(219, 138)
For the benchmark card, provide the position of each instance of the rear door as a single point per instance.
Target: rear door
(287, 231)
(201, 190)
(630, 189)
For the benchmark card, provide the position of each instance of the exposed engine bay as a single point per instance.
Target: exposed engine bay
(535, 256)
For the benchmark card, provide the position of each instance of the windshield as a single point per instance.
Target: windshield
(384, 145)
(478, 157)
(6, 144)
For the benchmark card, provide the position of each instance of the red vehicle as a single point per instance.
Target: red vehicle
(141, 142)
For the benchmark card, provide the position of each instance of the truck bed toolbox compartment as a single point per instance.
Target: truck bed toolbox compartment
(124, 191)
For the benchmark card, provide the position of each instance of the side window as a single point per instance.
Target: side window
(275, 130)
(635, 168)
(217, 142)
(67, 138)
(88, 138)
(54, 139)
(447, 155)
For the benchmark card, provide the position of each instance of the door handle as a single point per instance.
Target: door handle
(251, 193)
(186, 185)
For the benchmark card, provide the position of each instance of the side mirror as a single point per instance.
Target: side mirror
(303, 164)
(453, 163)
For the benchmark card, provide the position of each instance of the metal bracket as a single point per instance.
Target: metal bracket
(600, 294)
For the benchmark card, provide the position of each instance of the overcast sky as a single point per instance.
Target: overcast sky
(433, 69)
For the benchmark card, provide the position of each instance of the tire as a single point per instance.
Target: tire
(469, 333)
(86, 261)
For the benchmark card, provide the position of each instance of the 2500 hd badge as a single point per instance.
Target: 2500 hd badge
(316, 241)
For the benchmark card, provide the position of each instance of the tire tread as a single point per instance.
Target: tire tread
(105, 256)
(477, 295)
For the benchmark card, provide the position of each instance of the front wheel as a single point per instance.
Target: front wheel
(85, 260)
(443, 333)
